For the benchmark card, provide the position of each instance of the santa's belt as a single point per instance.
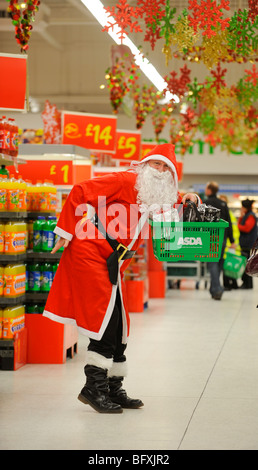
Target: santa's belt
(120, 252)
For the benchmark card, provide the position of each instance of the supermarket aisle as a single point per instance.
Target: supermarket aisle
(192, 360)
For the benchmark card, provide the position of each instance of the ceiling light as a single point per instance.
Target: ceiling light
(96, 7)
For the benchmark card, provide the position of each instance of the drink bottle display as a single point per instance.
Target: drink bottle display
(38, 233)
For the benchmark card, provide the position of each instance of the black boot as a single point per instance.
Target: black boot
(96, 391)
(119, 396)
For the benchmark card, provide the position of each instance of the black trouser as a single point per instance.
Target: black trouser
(110, 344)
(247, 280)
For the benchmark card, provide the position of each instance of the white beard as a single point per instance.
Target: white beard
(155, 189)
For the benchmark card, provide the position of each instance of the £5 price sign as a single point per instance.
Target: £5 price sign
(128, 145)
(90, 131)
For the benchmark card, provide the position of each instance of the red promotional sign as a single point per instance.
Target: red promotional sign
(147, 147)
(60, 172)
(13, 81)
(128, 145)
(90, 131)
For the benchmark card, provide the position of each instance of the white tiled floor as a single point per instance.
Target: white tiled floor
(192, 360)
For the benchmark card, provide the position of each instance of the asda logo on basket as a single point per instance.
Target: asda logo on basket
(186, 241)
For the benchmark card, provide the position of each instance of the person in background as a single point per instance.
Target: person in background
(247, 225)
(229, 282)
(215, 269)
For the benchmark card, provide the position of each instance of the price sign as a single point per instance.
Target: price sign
(128, 145)
(13, 78)
(60, 172)
(146, 148)
(90, 131)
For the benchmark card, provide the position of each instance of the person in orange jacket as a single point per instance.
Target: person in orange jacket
(88, 288)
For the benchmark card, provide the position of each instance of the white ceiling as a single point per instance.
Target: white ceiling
(69, 54)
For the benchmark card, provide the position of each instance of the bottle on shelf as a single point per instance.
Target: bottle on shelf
(34, 274)
(14, 280)
(22, 194)
(38, 233)
(13, 194)
(14, 141)
(4, 171)
(47, 277)
(2, 237)
(15, 235)
(1, 281)
(3, 193)
(48, 236)
(6, 136)
(13, 320)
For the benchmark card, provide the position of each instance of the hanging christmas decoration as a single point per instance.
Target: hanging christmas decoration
(152, 11)
(243, 34)
(124, 16)
(207, 15)
(194, 92)
(215, 48)
(160, 117)
(52, 124)
(219, 75)
(206, 122)
(252, 75)
(252, 9)
(184, 35)
(22, 15)
(178, 86)
(120, 78)
(167, 27)
(145, 99)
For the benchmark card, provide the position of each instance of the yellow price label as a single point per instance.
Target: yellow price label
(128, 144)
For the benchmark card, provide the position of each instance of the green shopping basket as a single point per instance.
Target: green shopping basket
(188, 241)
(234, 265)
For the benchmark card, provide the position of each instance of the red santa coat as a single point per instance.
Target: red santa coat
(82, 293)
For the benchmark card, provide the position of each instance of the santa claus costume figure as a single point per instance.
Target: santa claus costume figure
(88, 288)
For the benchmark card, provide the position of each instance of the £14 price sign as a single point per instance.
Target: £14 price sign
(128, 145)
(90, 131)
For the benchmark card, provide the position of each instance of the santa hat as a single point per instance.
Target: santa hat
(166, 154)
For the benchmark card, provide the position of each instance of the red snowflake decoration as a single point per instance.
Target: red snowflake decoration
(178, 86)
(252, 75)
(152, 36)
(253, 10)
(219, 75)
(207, 15)
(151, 10)
(123, 14)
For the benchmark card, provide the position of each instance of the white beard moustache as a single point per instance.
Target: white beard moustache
(155, 188)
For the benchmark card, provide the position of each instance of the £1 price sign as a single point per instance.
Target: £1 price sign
(90, 131)
(128, 145)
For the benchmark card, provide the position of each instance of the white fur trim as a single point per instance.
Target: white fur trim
(118, 369)
(97, 360)
(62, 233)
